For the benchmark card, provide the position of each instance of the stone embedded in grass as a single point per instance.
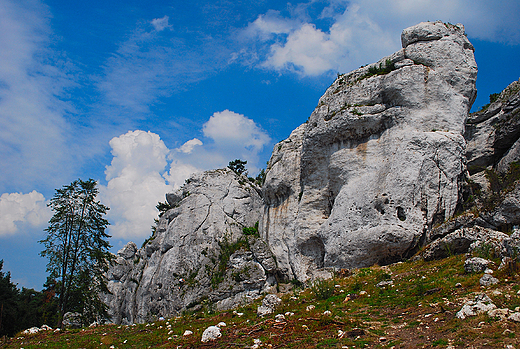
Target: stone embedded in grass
(327, 313)
(499, 313)
(476, 265)
(481, 304)
(269, 304)
(210, 334)
(514, 317)
(488, 280)
(279, 318)
(310, 307)
(31, 330)
(187, 333)
(384, 284)
(221, 324)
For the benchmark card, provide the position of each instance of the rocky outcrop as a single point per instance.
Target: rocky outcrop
(493, 134)
(378, 163)
(378, 170)
(198, 253)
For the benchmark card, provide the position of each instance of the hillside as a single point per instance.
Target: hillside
(417, 311)
(364, 226)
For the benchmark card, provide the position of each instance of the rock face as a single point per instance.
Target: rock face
(197, 254)
(492, 134)
(378, 170)
(378, 163)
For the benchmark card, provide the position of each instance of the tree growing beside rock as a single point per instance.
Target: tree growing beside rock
(78, 250)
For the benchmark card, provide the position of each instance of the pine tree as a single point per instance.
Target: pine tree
(78, 250)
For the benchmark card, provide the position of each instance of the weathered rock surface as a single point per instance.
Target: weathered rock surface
(467, 240)
(197, 254)
(476, 265)
(269, 304)
(210, 334)
(492, 134)
(378, 170)
(481, 304)
(488, 280)
(379, 161)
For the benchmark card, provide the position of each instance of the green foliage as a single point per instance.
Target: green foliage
(323, 288)
(77, 249)
(238, 166)
(500, 183)
(486, 251)
(162, 207)
(356, 112)
(420, 287)
(8, 300)
(25, 308)
(260, 178)
(251, 230)
(226, 250)
(381, 70)
(493, 97)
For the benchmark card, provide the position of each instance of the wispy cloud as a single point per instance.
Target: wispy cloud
(160, 24)
(153, 64)
(33, 128)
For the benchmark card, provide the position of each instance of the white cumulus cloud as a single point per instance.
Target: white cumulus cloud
(143, 169)
(18, 210)
(189, 145)
(362, 31)
(230, 129)
(135, 183)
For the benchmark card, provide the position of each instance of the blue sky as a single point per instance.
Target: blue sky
(139, 94)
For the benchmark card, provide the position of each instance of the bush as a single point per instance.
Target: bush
(251, 230)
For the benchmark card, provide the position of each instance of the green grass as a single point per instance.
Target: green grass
(406, 315)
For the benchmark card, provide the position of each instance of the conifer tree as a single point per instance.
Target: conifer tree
(78, 250)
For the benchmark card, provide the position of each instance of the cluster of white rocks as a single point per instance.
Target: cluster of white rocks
(483, 304)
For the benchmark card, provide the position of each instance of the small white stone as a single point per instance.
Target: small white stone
(210, 334)
(187, 333)
(310, 307)
(221, 324)
(279, 317)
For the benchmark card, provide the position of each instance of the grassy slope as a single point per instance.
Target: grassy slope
(417, 312)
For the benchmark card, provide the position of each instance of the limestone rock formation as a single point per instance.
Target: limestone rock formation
(378, 170)
(492, 134)
(197, 254)
(378, 163)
